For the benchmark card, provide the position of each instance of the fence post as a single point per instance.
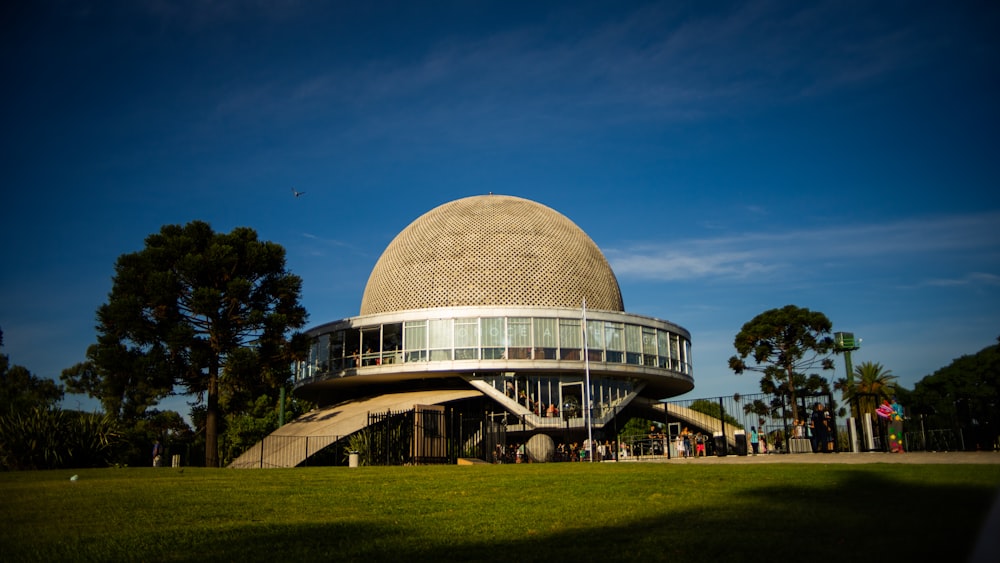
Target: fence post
(262, 443)
(722, 420)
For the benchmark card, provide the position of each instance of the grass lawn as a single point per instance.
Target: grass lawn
(512, 513)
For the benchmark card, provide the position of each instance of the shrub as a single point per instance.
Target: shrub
(49, 438)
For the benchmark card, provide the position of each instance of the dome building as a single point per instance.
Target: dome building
(504, 301)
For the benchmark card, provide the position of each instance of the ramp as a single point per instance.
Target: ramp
(294, 442)
(694, 418)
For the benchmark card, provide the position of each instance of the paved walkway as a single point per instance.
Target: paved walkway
(868, 457)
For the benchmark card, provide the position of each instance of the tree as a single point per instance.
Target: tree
(21, 390)
(964, 395)
(637, 426)
(245, 429)
(127, 379)
(714, 410)
(206, 311)
(872, 381)
(783, 344)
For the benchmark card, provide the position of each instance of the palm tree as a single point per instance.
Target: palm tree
(872, 385)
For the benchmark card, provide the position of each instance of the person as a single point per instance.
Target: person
(831, 433)
(896, 427)
(699, 445)
(157, 453)
(754, 440)
(820, 429)
(655, 440)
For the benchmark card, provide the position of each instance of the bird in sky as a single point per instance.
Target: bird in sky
(297, 194)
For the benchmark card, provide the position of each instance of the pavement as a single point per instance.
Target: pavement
(842, 457)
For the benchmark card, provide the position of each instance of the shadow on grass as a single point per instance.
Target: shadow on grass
(865, 516)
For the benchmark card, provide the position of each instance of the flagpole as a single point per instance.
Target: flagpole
(587, 415)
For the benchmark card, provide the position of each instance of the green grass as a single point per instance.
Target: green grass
(552, 512)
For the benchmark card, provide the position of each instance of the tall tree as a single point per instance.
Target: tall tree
(207, 311)
(783, 344)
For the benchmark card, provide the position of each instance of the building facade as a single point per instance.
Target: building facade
(507, 297)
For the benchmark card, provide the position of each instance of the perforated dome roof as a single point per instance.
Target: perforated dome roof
(491, 250)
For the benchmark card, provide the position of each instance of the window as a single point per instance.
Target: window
(614, 342)
(392, 339)
(493, 338)
(648, 346)
(466, 339)
(663, 347)
(323, 360)
(675, 352)
(595, 341)
(415, 341)
(313, 358)
(519, 338)
(633, 344)
(371, 340)
(337, 350)
(546, 339)
(570, 339)
(440, 339)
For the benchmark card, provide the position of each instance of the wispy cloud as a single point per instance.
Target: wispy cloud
(322, 246)
(971, 279)
(767, 254)
(654, 64)
(325, 241)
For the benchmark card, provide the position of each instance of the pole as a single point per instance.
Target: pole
(586, 392)
(617, 446)
(850, 382)
(722, 420)
(850, 369)
(281, 407)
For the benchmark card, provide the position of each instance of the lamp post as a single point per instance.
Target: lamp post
(845, 342)
(587, 414)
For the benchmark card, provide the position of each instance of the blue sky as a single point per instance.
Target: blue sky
(728, 158)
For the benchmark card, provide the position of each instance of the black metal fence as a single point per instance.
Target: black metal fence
(711, 426)
(420, 436)
(785, 429)
(427, 435)
(293, 451)
(725, 425)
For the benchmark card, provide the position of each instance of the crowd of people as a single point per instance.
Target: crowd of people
(816, 433)
(608, 450)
